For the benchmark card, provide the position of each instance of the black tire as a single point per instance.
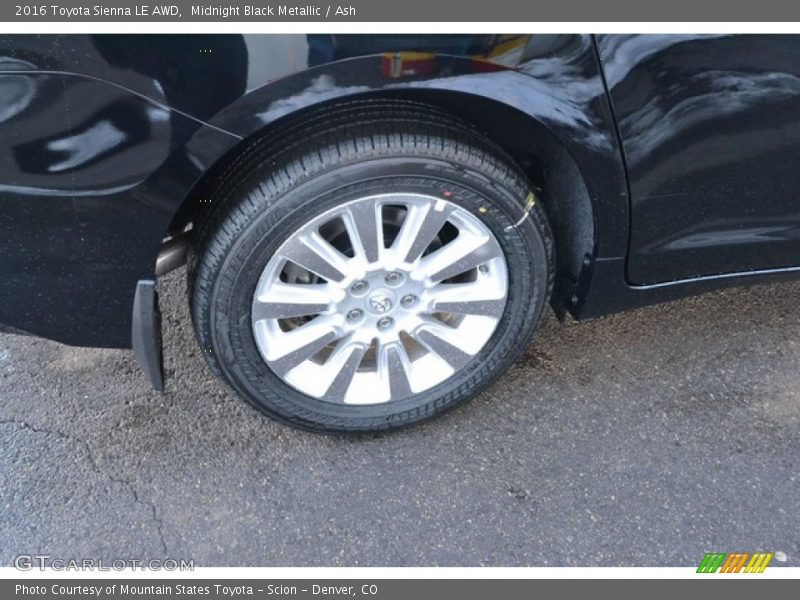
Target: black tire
(333, 156)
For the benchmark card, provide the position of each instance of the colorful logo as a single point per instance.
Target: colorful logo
(734, 562)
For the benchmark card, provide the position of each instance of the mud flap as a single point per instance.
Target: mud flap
(146, 332)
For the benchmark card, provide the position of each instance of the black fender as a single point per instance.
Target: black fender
(548, 108)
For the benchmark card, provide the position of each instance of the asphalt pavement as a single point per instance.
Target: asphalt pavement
(648, 439)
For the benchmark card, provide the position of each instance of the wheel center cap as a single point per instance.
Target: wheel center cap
(381, 302)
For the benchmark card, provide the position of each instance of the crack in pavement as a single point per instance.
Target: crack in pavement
(95, 466)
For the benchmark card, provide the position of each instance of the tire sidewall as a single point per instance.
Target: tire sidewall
(500, 207)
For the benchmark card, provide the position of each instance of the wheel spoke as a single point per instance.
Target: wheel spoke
(345, 359)
(301, 344)
(284, 301)
(393, 364)
(365, 228)
(439, 340)
(379, 324)
(312, 252)
(462, 254)
(419, 229)
(476, 298)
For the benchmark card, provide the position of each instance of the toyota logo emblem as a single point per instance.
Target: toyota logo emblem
(380, 303)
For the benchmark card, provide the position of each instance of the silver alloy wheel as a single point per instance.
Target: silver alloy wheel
(379, 299)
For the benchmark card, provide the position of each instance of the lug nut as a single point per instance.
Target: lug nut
(408, 300)
(354, 314)
(359, 287)
(393, 278)
(483, 268)
(385, 322)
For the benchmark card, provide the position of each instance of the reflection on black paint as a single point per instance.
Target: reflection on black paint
(16, 94)
(120, 125)
(209, 69)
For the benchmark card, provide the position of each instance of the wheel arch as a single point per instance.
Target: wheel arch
(554, 174)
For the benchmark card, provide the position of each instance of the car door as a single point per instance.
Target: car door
(710, 127)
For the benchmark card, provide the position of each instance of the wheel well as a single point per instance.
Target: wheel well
(547, 164)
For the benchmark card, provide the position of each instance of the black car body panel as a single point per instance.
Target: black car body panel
(105, 142)
(710, 126)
